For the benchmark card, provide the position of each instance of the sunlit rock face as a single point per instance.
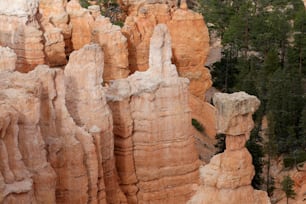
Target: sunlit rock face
(24, 169)
(190, 41)
(47, 156)
(156, 158)
(19, 30)
(228, 176)
(54, 20)
(89, 26)
(86, 103)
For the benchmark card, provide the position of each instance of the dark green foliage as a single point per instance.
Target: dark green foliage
(271, 186)
(84, 3)
(265, 55)
(285, 104)
(255, 148)
(119, 23)
(108, 8)
(197, 125)
(220, 145)
(294, 159)
(287, 187)
(224, 72)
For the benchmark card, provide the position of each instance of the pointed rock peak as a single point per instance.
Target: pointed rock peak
(8, 59)
(86, 64)
(161, 53)
(234, 112)
(184, 5)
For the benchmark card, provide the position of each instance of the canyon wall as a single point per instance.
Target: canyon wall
(190, 41)
(57, 143)
(65, 138)
(45, 156)
(228, 176)
(20, 31)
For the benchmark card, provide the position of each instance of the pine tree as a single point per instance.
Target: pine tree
(287, 187)
(255, 148)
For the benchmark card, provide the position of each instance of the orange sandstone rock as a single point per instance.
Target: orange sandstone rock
(20, 31)
(190, 41)
(57, 31)
(50, 159)
(82, 23)
(89, 26)
(114, 46)
(86, 103)
(152, 120)
(228, 176)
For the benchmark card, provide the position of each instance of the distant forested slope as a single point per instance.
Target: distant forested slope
(264, 53)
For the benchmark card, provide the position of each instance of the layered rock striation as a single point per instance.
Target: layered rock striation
(190, 40)
(228, 176)
(54, 22)
(87, 105)
(152, 120)
(89, 26)
(19, 30)
(46, 157)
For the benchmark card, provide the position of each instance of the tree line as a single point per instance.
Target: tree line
(264, 54)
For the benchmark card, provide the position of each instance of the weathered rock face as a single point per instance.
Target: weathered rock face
(45, 156)
(190, 41)
(114, 45)
(86, 103)
(228, 176)
(57, 31)
(20, 31)
(89, 26)
(82, 22)
(204, 113)
(24, 167)
(152, 120)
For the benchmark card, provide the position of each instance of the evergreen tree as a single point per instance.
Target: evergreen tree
(264, 54)
(255, 148)
(287, 187)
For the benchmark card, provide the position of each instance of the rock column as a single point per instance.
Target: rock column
(228, 176)
(156, 158)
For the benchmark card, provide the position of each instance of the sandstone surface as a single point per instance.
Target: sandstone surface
(114, 46)
(57, 32)
(228, 176)
(19, 30)
(86, 103)
(148, 109)
(89, 26)
(190, 41)
(45, 156)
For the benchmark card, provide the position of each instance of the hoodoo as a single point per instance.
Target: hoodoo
(227, 178)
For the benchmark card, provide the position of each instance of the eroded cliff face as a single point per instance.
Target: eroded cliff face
(86, 104)
(47, 31)
(70, 155)
(54, 22)
(20, 31)
(190, 41)
(64, 138)
(228, 176)
(148, 109)
(45, 156)
(89, 26)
